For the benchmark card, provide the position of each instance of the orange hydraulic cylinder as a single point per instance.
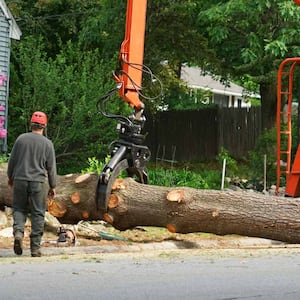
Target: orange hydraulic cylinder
(132, 53)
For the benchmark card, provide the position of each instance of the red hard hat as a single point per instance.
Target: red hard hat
(39, 117)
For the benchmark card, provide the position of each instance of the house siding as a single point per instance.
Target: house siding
(4, 70)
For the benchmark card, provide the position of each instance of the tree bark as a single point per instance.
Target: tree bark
(186, 210)
(268, 104)
(5, 192)
(180, 209)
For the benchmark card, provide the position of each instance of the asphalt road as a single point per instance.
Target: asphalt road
(180, 274)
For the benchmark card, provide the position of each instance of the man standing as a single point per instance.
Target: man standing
(32, 161)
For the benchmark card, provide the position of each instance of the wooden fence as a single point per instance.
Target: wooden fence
(199, 135)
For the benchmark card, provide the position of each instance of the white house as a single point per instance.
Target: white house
(231, 95)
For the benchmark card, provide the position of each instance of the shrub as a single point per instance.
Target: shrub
(94, 165)
(231, 163)
(3, 159)
(172, 177)
(266, 145)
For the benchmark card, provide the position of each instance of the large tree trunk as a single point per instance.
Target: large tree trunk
(180, 210)
(185, 210)
(268, 94)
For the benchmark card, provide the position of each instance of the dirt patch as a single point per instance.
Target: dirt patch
(111, 236)
(100, 234)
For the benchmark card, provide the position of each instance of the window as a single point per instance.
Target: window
(221, 100)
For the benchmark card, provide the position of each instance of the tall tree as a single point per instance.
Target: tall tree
(252, 37)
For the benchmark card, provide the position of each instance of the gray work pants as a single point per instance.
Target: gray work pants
(29, 197)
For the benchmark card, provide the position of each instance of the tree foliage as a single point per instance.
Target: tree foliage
(252, 38)
(66, 88)
(55, 20)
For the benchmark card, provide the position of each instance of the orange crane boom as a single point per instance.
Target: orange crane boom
(128, 152)
(132, 54)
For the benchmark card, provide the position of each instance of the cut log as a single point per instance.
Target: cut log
(219, 212)
(181, 210)
(5, 191)
(75, 200)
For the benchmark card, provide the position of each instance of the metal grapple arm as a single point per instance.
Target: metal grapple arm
(127, 153)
